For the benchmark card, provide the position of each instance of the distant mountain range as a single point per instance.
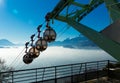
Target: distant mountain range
(5, 42)
(79, 42)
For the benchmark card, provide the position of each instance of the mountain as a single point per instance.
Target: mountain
(5, 42)
(77, 42)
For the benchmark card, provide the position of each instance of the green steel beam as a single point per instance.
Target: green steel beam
(84, 9)
(78, 13)
(59, 7)
(61, 18)
(113, 7)
(78, 4)
(93, 1)
(103, 42)
(87, 9)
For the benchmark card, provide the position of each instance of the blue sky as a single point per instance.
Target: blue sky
(20, 18)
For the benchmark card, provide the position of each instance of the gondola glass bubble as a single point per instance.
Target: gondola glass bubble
(41, 44)
(27, 59)
(34, 52)
(49, 35)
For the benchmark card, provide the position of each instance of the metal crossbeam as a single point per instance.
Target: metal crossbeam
(113, 7)
(74, 17)
(79, 14)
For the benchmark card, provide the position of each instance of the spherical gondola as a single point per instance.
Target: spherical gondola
(34, 52)
(27, 59)
(41, 44)
(49, 35)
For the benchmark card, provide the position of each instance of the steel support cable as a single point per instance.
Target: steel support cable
(49, 17)
(65, 26)
(59, 36)
(35, 34)
(68, 27)
(16, 58)
(36, 37)
(19, 55)
(63, 31)
(58, 12)
(17, 64)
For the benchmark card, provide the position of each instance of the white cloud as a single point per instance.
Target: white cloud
(53, 56)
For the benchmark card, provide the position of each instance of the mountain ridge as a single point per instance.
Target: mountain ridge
(76, 42)
(79, 42)
(5, 42)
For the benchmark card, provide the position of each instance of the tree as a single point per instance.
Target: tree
(4, 68)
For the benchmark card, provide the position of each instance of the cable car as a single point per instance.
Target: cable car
(34, 53)
(49, 35)
(27, 59)
(41, 44)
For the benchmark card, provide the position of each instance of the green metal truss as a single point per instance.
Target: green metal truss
(73, 19)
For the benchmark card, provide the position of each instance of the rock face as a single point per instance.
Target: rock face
(5, 42)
